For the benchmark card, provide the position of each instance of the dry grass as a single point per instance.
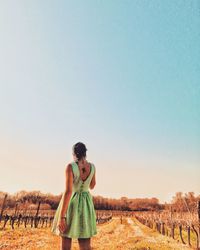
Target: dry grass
(131, 235)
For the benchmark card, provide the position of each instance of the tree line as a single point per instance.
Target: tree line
(30, 199)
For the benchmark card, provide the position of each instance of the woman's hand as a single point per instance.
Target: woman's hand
(62, 225)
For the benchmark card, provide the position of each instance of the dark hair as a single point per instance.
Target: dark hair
(79, 150)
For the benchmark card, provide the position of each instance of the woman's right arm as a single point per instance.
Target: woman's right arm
(93, 181)
(68, 189)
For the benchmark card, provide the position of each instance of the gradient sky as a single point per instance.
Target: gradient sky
(120, 76)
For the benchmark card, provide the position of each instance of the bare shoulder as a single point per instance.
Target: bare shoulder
(68, 168)
(93, 166)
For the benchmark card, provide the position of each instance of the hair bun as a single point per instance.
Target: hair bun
(79, 150)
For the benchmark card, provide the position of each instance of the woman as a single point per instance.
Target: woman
(75, 216)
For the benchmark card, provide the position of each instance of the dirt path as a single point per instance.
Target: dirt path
(145, 238)
(130, 235)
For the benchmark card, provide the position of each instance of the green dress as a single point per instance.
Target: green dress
(80, 214)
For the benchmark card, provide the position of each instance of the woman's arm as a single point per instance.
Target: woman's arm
(68, 189)
(93, 181)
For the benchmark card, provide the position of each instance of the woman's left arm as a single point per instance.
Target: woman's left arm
(68, 189)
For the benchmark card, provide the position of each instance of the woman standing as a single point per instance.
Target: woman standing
(75, 216)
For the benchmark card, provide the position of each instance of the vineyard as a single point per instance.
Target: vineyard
(121, 232)
(39, 220)
(166, 229)
(116, 230)
(183, 227)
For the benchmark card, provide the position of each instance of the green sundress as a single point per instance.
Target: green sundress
(80, 214)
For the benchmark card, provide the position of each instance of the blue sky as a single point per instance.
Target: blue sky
(120, 76)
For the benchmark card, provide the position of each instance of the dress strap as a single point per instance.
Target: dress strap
(74, 170)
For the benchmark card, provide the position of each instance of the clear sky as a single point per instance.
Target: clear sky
(120, 76)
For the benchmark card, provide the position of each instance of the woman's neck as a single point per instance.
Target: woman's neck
(82, 162)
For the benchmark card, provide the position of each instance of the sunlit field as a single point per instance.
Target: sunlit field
(144, 224)
(117, 233)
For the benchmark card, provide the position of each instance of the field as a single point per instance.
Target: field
(128, 235)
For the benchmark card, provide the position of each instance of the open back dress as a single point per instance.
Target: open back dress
(80, 214)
